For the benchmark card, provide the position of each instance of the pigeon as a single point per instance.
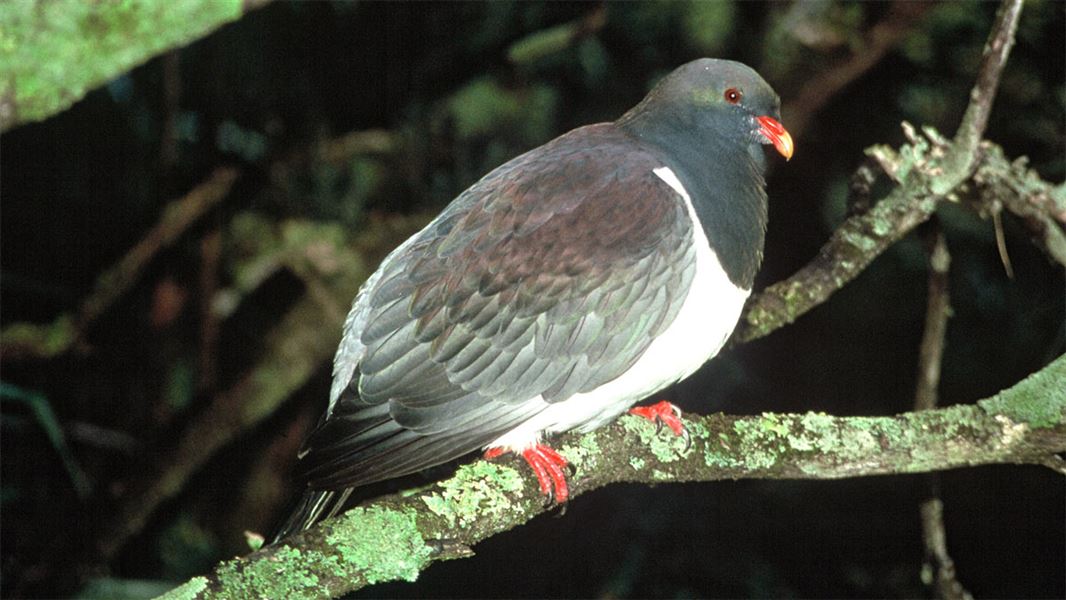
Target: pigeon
(556, 292)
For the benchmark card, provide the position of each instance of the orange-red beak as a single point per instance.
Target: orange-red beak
(776, 133)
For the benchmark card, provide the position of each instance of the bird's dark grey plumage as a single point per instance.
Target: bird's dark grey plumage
(541, 286)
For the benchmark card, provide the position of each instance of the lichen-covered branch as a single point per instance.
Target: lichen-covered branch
(1000, 184)
(962, 155)
(997, 184)
(926, 171)
(53, 52)
(395, 537)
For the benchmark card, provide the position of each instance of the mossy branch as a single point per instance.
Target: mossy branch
(928, 170)
(53, 52)
(396, 537)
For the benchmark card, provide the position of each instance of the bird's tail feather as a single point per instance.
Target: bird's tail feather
(312, 507)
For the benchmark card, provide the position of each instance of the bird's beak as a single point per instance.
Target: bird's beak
(775, 132)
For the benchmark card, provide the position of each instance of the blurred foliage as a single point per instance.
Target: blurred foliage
(340, 113)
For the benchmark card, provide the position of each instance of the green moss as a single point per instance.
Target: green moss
(53, 52)
(285, 574)
(857, 239)
(666, 446)
(381, 544)
(375, 544)
(1038, 400)
(582, 455)
(760, 440)
(774, 424)
(479, 489)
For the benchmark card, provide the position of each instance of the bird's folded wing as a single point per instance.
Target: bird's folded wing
(547, 278)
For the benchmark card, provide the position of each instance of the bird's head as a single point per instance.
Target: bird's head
(713, 98)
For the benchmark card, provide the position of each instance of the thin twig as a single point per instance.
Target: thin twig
(177, 217)
(939, 568)
(963, 154)
(937, 311)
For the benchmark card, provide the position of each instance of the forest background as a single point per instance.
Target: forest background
(178, 248)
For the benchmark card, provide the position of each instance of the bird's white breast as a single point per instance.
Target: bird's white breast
(706, 319)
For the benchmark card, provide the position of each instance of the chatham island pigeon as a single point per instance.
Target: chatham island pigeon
(564, 286)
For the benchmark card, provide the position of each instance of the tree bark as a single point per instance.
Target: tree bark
(396, 537)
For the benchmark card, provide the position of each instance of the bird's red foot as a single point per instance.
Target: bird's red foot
(661, 413)
(664, 413)
(549, 467)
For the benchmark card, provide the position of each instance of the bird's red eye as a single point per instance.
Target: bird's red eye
(733, 96)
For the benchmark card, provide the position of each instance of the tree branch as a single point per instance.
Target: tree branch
(939, 568)
(56, 52)
(395, 537)
(927, 171)
(1001, 184)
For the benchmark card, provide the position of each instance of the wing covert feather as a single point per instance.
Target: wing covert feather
(547, 278)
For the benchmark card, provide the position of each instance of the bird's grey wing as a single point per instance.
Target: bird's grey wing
(547, 278)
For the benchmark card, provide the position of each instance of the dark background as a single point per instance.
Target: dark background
(458, 91)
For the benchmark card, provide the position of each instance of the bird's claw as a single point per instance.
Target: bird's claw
(550, 468)
(665, 413)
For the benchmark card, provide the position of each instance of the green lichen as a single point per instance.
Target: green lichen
(666, 446)
(881, 226)
(1038, 400)
(480, 489)
(719, 453)
(761, 440)
(720, 460)
(660, 475)
(819, 432)
(773, 424)
(378, 543)
(285, 574)
(582, 456)
(857, 239)
(637, 463)
(911, 157)
(53, 52)
(187, 590)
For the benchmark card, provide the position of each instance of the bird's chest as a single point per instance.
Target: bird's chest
(705, 321)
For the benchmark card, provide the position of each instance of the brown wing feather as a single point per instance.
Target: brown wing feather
(547, 278)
